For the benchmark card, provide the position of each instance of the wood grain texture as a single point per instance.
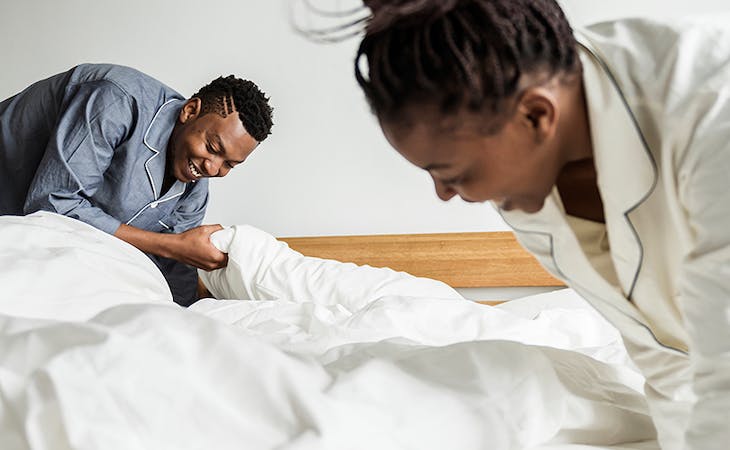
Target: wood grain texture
(491, 302)
(492, 259)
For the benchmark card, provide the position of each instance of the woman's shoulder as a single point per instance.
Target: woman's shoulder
(683, 49)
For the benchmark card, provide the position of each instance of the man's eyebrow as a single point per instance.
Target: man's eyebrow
(218, 142)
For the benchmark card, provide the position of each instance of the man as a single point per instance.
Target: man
(119, 150)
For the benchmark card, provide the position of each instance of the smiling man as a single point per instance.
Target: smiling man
(119, 150)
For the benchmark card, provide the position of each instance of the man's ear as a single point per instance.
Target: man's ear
(538, 111)
(190, 110)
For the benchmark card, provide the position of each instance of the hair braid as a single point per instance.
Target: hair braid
(459, 53)
(226, 95)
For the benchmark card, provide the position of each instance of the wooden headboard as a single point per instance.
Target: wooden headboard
(461, 260)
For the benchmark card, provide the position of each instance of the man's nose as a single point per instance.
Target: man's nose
(213, 166)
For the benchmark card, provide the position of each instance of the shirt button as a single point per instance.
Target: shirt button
(153, 205)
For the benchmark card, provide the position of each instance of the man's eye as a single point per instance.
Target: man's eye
(230, 166)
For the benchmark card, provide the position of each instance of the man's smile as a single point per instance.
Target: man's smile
(193, 170)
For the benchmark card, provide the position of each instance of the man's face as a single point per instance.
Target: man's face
(207, 146)
(510, 167)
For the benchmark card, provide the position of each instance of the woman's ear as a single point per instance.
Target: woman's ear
(538, 111)
(190, 109)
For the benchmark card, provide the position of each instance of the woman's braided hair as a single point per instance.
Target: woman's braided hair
(227, 94)
(459, 54)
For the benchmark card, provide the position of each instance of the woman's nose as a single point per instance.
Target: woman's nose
(443, 191)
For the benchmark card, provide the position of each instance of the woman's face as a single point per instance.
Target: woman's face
(516, 167)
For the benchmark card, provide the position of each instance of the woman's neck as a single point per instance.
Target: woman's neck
(577, 181)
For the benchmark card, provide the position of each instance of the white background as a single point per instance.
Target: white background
(326, 169)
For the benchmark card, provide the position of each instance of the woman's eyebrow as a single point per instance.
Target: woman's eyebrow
(436, 166)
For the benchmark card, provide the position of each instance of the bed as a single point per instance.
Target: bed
(298, 352)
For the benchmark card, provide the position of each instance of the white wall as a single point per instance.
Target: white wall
(581, 12)
(326, 169)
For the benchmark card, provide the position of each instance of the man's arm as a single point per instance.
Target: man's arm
(94, 122)
(192, 243)
(188, 214)
(190, 247)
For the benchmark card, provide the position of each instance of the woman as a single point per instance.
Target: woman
(606, 150)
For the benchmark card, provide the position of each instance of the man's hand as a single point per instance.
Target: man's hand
(194, 248)
(191, 247)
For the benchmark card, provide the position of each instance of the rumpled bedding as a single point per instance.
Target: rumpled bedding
(357, 358)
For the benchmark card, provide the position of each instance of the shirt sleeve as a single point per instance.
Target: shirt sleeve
(705, 288)
(96, 118)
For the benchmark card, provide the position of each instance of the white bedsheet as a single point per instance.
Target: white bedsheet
(394, 372)
(57, 267)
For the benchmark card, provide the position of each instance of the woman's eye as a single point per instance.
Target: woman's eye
(453, 181)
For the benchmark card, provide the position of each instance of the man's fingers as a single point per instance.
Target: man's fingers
(210, 229)
(219, 263)
(201, 252)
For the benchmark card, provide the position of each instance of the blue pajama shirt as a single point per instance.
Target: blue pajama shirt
(91, 144)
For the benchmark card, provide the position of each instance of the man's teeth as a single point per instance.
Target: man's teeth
(195, 173)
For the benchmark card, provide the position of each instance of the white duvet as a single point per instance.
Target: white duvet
(331, 356)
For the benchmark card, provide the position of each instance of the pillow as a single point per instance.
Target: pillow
(262, 268)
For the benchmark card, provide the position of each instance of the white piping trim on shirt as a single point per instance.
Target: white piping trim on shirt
(157, 152)
(155, 203)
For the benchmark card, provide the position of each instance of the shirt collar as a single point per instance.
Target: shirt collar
(158, 132)
(617, 144)
(156, 138)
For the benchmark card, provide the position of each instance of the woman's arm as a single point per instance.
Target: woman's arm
(704, 283)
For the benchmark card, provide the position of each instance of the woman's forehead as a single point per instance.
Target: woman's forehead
(429, 148)
(438, 130)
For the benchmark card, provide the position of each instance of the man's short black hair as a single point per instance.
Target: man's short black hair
(225, 95)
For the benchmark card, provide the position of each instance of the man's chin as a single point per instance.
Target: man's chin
(182, 172)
